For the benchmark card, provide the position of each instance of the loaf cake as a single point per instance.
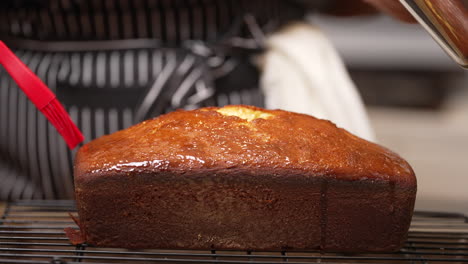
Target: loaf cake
(246, 178)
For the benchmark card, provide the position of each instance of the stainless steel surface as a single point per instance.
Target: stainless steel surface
(435, 23)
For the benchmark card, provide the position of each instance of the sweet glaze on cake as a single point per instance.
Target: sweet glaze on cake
(242, 138)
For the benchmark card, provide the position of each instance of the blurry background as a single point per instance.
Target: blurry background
(417, 100)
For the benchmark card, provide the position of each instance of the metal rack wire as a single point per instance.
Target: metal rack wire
(32, 232)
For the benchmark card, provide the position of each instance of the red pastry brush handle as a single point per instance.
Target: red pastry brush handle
(41, 96)
(31, 85)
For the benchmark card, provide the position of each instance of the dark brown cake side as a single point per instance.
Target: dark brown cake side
(242, 178)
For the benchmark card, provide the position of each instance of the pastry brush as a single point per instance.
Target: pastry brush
(42, 97)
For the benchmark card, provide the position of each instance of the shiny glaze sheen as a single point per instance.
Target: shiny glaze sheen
(205, 139)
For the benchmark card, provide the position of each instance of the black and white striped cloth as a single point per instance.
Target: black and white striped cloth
(114, 63)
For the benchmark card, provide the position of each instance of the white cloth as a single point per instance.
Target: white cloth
(302, 72)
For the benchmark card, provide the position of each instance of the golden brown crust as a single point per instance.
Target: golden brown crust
(205, 139)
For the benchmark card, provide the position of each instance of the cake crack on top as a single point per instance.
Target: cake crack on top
(248, 114)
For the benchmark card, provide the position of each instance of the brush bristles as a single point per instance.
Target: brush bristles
(57, 115)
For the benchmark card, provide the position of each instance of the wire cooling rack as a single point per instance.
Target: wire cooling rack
(32, 232)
